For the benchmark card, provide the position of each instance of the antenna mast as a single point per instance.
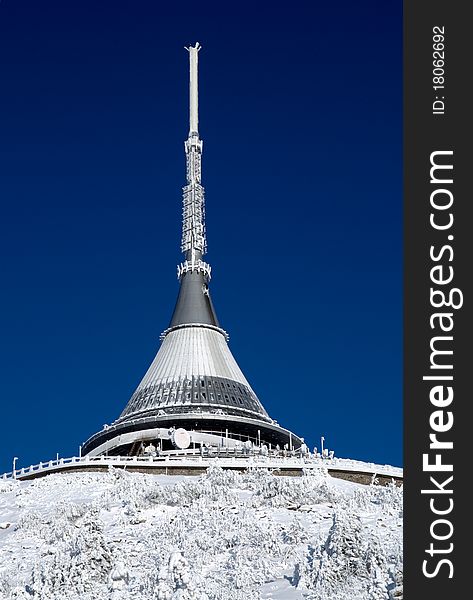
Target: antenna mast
(193, 242)
(193, 89)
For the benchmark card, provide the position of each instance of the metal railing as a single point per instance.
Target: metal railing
(190, 458)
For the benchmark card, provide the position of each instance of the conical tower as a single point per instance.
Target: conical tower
(194, 392)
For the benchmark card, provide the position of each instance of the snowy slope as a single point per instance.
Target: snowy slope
(221, 536)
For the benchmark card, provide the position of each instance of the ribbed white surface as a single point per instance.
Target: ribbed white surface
(192, 352)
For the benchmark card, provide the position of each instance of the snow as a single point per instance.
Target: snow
(222, 535)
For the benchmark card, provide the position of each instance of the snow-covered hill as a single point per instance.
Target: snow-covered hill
(220, 536)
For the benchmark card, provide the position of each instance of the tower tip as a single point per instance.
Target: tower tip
(196, 47)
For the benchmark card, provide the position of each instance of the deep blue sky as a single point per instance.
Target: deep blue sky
(300, 113)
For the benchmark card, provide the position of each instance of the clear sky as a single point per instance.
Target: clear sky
(300, 113)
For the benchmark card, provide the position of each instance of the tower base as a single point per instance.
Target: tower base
(131, 437)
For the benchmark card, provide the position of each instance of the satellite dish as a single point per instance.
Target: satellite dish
(181, 438)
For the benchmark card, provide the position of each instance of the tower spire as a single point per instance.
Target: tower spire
(193, 303)
(193, 242)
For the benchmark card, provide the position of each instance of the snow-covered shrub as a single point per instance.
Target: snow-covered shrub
(344, 544)
(396, 586)
(389, 497)
(18, 592)
(376, 562)
(118, 579)
(373, 497)
(76, 559)
(129, 490)
(30, 523)
(275, 492)
(347, 560)
(207, 487)
(224, 477)
(177, 581)
(254, 477)
(9, 485)
(294, 533)
(248, 568)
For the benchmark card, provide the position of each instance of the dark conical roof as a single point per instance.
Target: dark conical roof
(194, 304)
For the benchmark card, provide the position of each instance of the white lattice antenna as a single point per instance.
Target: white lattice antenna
(193, 242)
